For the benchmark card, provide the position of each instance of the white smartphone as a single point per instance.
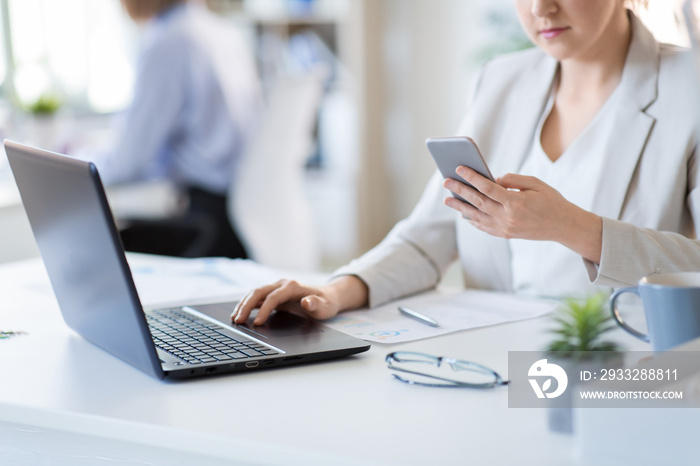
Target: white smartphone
(450, 153)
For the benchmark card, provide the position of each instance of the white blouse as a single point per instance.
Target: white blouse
(545, 267)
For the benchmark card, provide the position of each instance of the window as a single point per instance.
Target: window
(75, 50)
(663, 18)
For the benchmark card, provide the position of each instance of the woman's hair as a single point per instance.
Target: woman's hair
(146, 9)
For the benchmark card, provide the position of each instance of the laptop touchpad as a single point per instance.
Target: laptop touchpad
(279, 324)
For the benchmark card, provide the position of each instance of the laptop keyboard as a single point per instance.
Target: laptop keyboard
(199, 341)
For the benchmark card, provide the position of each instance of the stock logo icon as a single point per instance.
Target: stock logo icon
(543, 370)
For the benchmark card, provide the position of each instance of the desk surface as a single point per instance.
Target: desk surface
(347, 411)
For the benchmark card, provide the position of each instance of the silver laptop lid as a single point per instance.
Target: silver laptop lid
(80, 246)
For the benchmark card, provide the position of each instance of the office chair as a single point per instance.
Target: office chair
(267, 203)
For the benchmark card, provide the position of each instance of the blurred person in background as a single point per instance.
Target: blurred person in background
(195, 104)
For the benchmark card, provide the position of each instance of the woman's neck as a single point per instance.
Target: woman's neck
(599, 69)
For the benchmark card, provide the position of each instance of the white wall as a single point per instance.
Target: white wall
(427, 55)
(427, 77)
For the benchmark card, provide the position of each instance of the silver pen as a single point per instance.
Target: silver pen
(418, 316)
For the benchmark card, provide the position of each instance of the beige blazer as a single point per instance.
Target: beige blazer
(648, 194)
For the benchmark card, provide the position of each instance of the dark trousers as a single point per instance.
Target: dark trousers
(204, 230)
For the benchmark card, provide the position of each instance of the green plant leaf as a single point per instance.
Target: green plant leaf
(579, 324)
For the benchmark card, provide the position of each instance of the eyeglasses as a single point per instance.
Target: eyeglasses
(438, 371)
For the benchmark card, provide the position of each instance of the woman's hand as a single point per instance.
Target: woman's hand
(524, 207)
(346, 292)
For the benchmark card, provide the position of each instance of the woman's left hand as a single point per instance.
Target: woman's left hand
(524, 207)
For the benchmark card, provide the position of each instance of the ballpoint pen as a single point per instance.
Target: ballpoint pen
(418, 316)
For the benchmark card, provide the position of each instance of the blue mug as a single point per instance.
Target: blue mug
(671, 306)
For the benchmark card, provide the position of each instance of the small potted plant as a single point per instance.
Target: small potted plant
(45, 106)
(580, 325)
(579, 345)
(41, 125)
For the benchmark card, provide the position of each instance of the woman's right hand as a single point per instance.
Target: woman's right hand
(345, 292)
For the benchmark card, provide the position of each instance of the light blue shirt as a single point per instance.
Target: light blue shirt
(196, 101)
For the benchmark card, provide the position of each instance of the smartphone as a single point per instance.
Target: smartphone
(450, 153)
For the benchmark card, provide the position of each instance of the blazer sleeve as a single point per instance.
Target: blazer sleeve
(630, 252)
(414, 254)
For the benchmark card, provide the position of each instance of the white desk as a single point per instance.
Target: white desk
(347, 411)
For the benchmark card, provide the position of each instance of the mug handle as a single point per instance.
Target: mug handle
(618, 317)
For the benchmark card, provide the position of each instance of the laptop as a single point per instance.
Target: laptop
(84, 257)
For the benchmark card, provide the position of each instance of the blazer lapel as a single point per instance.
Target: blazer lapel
(519, 128)
(631, 124)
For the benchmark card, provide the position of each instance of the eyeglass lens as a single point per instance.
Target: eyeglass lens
(431, 370)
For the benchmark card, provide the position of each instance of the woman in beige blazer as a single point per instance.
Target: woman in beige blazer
(598, 91)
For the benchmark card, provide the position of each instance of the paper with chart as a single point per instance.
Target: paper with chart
(453, 310)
